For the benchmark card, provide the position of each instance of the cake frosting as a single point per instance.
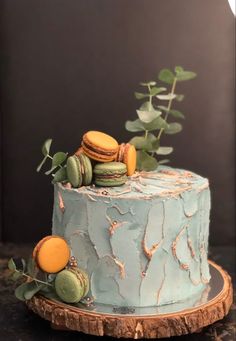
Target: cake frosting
(142, 244)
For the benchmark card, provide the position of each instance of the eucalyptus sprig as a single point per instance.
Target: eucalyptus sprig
(153, 118)
(58, 166)
(31, 284)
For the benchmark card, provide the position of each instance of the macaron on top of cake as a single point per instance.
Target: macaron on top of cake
(51, 254)
(110, 174)
(127, 154)
(79, 170)
(99, 146)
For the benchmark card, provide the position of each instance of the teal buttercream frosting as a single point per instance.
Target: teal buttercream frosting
(144, 243)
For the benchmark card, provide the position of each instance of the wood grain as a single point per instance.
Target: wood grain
(66, 317)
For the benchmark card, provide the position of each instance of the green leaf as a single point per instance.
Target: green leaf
(145, 161)
(162, 162)
(41, 163)
(140, 142)
(139, 95)
(32, 288)
(155, 144)
(146, 106)
(59, 158)
(148, 116)
(178, 69)
(155, 91)
(164, 150)
(179, 98)
(16, 275)
(23, 264)
(173, 112)
(50, 170)
(185, 75)
(157, 123)
(173, 128)
(166, 97)
(11, 265)
(151, 83)
(60, 175)
(46, 147)
(20, 291)
(134, 126)
(166, 76)
(31, 267)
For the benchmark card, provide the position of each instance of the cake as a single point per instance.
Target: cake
(143, 243)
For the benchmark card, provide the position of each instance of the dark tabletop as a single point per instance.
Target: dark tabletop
(17, 323)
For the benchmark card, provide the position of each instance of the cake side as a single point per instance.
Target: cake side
(142, 244)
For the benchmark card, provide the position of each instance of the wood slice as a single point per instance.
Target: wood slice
(66, 317)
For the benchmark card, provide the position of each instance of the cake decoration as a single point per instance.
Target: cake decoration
(110, 174)
(153, 117)
(127, 154)
(99, 146)
(51, 254)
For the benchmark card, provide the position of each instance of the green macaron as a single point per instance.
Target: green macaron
(72, 285)
(79, 170)
(110, 174)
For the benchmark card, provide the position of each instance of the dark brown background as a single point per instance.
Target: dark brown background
(71, 66)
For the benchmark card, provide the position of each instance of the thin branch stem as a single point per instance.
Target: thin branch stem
(34, 279)
(168, 107)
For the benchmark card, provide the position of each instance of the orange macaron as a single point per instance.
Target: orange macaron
(51, 254)
(100, 146)
(127, 154)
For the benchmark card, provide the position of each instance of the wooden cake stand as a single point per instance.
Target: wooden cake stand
(153, 322)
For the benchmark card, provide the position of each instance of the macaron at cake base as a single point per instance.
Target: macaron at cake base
(99, 146)
(51, 254)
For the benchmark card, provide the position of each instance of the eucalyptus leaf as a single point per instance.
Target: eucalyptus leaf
(11, 265)
(147, 106)
(41, 163)
(185, 75)
(134, 126)
(162, 162)
(23, 264)
(155, 91)
(46, 147)
(166, 97)
(140, 95)
(173, 112)
(51, 170)
(179, 97)
(166, 76)
(60, 175)
(16, 275)
(157, 123)
(155, 144)
(32, 288)
(145, 161)
(151, 83)
(140, 142)
(148, 116)
(21, 290)
(173, 128)
(31, 267)
(164, 150)
(59, 158)
(178, 69)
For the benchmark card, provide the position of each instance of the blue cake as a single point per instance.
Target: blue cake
(142, 244)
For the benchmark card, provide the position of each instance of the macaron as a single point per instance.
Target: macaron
(127, 154)
(51, 254)
(100, 146)
(79, 170)
(110, 174)
(72, 285)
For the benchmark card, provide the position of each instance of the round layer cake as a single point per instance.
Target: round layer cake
(144, 243)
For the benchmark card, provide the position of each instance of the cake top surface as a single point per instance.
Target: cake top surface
(164, 182)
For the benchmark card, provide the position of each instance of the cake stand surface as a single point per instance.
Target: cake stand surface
(152, 322)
